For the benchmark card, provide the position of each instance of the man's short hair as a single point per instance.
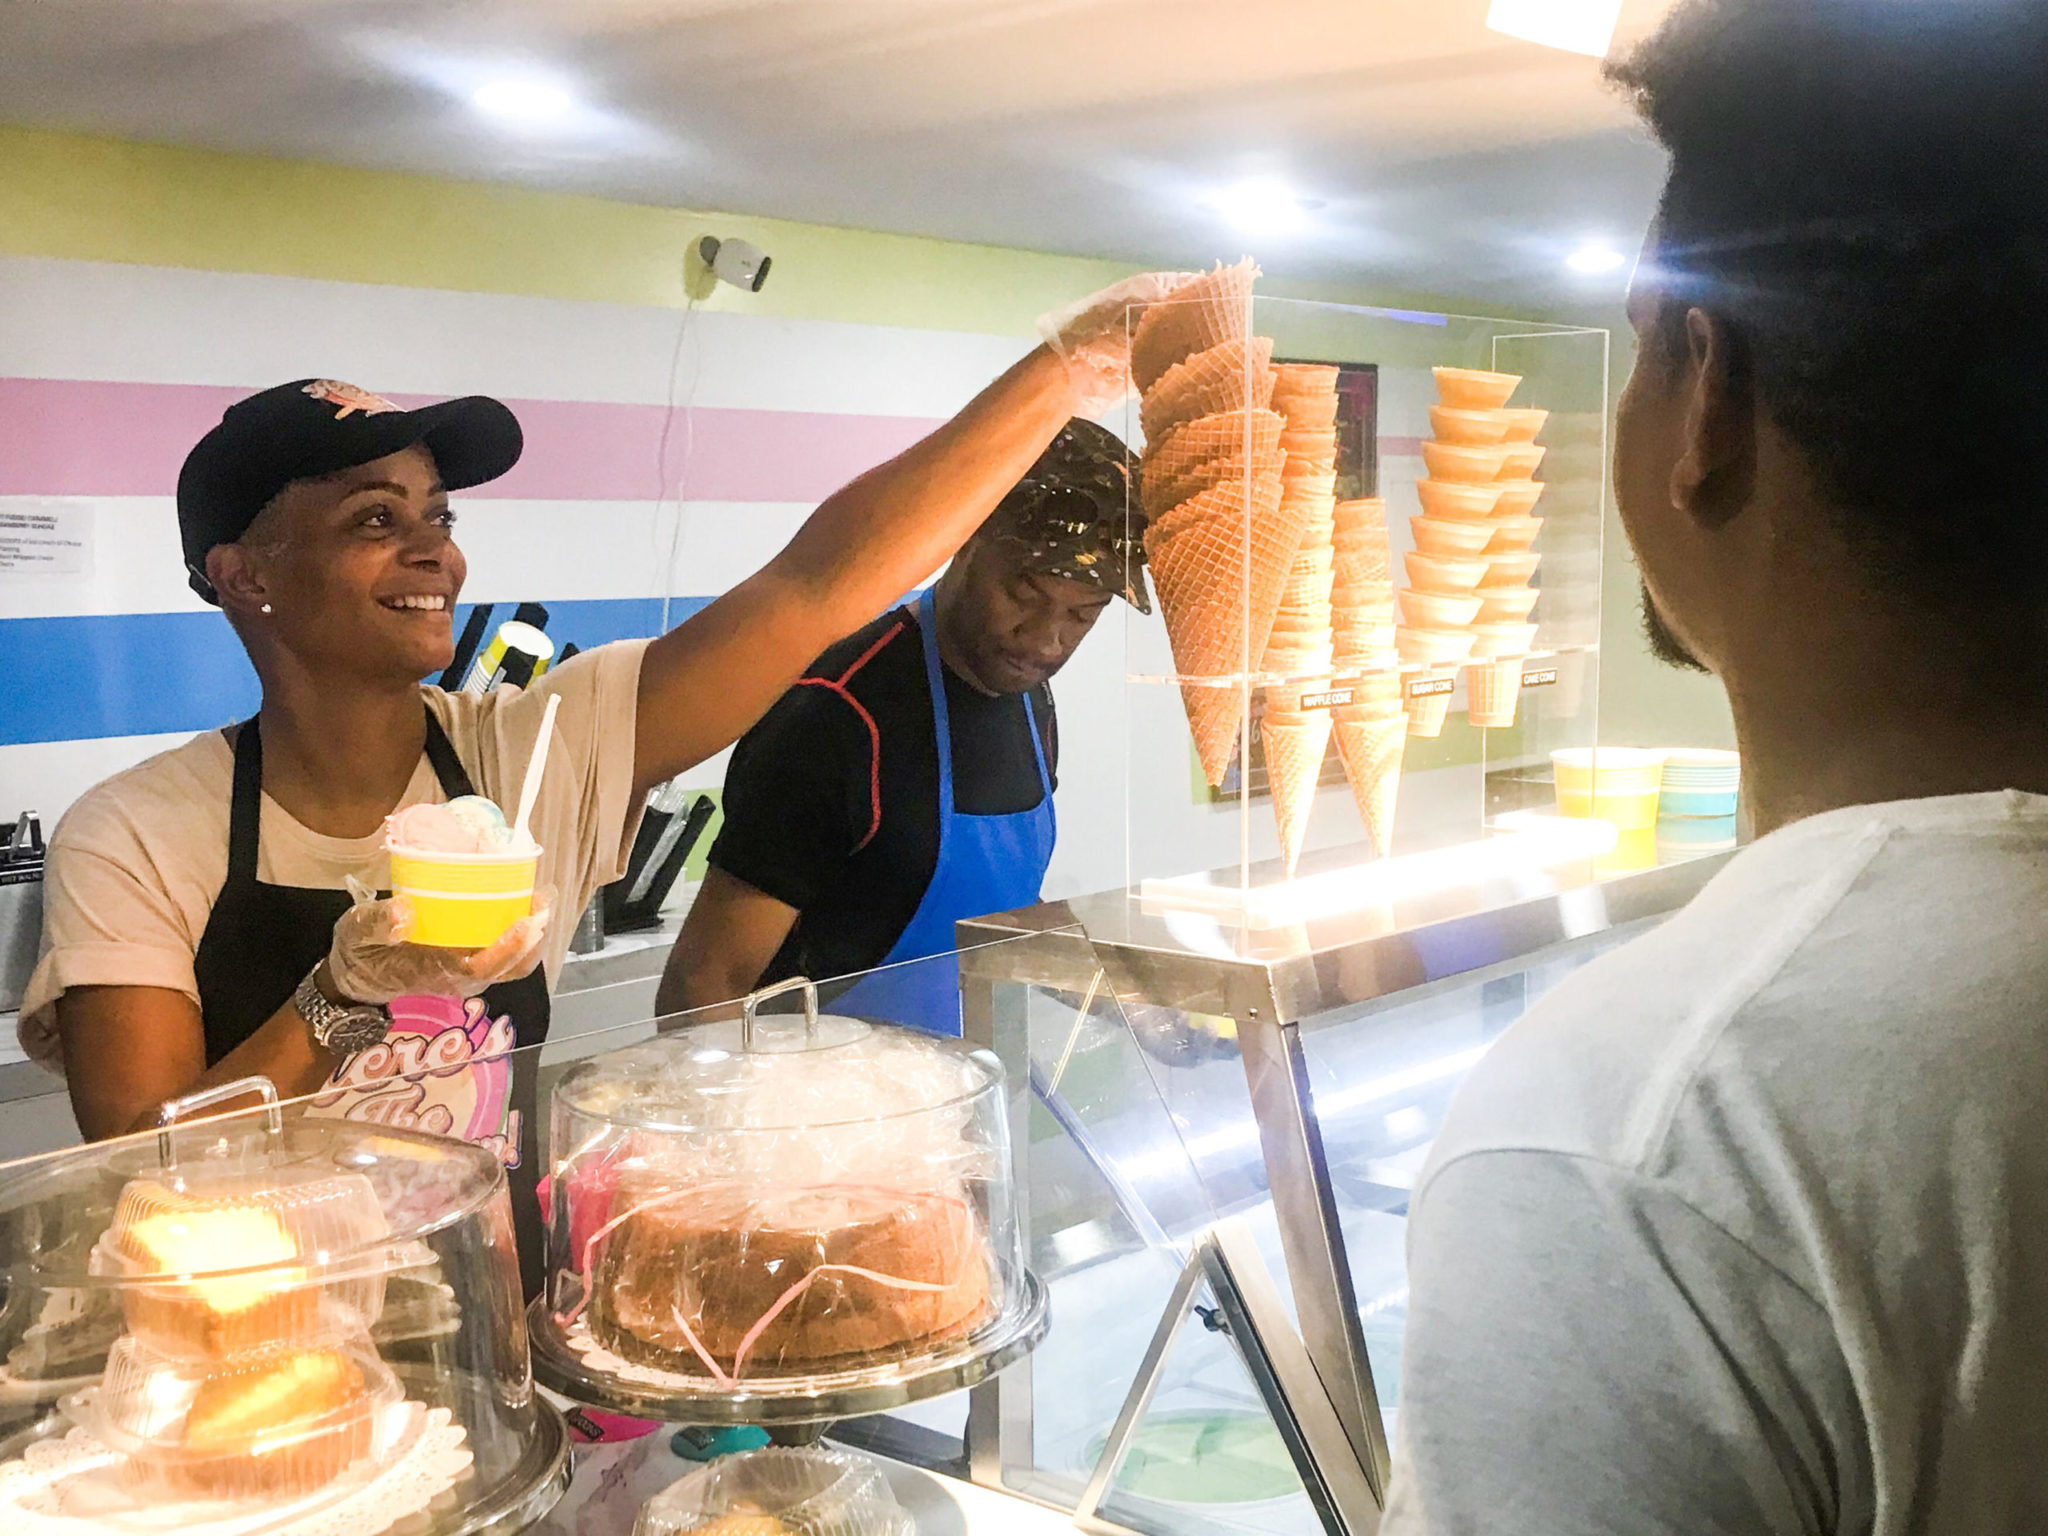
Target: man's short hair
(1860, 189)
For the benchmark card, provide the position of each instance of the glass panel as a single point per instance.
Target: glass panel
(1206, 1457)
(1381, 1078)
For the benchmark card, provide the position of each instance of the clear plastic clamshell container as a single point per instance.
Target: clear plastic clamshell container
(778, 1492)
(260, 1257)
(268, 1321)
(752, 1205)
(281, 1422)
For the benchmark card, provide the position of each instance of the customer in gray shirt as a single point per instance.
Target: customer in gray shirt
(1745, 1227)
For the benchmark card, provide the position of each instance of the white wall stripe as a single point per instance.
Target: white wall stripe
(566, 550)
(46, 776)
(95, 320)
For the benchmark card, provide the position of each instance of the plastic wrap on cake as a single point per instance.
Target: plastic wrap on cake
(742, 1211)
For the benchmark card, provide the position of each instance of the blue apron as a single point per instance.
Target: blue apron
(986, 864)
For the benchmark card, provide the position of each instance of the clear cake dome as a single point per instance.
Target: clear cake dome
(266, 1322)
(777, 1207)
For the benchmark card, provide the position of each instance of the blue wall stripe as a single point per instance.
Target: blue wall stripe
(135, 674)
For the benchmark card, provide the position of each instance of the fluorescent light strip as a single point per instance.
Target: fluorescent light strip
(1527, 841)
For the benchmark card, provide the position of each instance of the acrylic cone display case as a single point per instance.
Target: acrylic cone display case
(1374, 539)
(271, 1321)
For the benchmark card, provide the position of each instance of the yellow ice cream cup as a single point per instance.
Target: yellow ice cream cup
(463, 900)
(1615, 784)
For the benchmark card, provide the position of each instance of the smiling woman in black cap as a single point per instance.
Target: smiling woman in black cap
(200, 925)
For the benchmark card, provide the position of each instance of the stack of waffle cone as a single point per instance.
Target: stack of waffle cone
(1191, 456)
(1299, 651)
(1361, 587)
(1218, 537)
(1205, 312)
(1370, 729)
(1204, 383)
(1477, 523)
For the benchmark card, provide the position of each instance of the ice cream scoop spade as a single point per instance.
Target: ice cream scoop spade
(529, 788)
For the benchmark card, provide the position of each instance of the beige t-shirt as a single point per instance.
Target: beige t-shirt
(136, 863)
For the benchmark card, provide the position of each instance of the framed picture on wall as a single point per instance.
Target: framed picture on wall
(1358, 474)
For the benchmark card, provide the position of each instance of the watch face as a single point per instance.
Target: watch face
(358, 1030)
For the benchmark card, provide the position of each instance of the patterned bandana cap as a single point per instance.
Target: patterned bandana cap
(1075, 514)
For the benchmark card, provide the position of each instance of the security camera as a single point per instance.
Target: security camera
(742, 265)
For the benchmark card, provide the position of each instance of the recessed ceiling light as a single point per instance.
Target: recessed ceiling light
(1577, 26)
(1595, 257)
(523, 100)
(1261, 206)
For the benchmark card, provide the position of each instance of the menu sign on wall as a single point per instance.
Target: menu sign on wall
(46, 538)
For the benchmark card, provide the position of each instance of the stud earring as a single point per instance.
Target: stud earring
(266, 607)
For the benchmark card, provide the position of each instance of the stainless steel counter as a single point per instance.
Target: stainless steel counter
(1200, 963)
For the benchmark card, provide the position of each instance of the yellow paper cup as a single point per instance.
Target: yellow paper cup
(1619, 785)
(463, 900)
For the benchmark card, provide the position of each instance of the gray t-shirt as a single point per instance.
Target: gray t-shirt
(1744, 1228)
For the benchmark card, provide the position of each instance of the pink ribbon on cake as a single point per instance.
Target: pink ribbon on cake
(753, 1335)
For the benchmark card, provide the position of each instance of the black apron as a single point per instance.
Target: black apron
(261, 940)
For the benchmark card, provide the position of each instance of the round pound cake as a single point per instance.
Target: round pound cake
(736, 1280)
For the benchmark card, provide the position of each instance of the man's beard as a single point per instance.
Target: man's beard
(1664, 645)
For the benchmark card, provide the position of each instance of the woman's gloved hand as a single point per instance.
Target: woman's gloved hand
(371, 962)
(1093, 337)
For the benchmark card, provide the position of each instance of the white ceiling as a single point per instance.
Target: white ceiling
(1444, 157)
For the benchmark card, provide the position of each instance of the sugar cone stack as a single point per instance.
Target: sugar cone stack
(1370, 729)
(1468, 598)
(1299, 651)
(1220, 538)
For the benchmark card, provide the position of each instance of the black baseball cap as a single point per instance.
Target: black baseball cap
(314, 427)
(1075, 513)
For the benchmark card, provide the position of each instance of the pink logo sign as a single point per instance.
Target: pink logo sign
(442, 1069)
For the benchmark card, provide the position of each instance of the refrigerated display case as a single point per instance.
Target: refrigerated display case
(1172, 1071)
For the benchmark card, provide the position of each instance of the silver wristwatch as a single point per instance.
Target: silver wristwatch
(338, 1030)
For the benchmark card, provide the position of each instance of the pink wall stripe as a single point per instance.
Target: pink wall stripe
(79, 437)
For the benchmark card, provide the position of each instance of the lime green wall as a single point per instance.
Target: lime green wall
(97, 199)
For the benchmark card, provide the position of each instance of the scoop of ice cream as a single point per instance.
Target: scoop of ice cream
(437, 829)
(483, 818)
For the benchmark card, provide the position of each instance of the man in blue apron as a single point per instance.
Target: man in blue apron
(907, 781)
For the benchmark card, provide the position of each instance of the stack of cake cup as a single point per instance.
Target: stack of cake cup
(1219, 542)
(1370, 729)
(1477, 521)
(1299, 652)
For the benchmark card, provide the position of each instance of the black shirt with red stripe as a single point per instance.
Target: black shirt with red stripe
(832, 800)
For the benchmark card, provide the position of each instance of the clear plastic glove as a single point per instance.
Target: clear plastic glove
(1093, 337)
(370, 961)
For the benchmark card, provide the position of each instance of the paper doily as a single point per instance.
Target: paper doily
(73, 1486)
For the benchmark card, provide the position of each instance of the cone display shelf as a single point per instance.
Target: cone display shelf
(1299, 617)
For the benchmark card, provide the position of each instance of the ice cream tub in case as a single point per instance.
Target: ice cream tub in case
(1613, 784)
